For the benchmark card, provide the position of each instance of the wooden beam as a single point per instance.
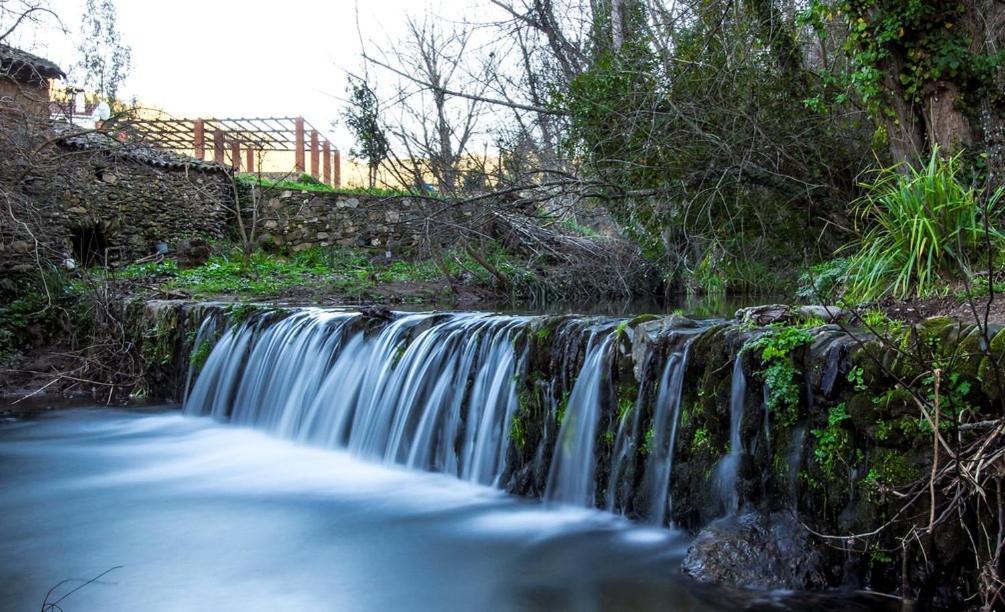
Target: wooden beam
(249, 164)
(299, 145)
(337, 174)
(218, 146)
(327, 156)
(235, 155)
(200, 140)
(315, 154)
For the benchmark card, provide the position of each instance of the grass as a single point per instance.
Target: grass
(925, 225)
(307, 183)
(343, 271)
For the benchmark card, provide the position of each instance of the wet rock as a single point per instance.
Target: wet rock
(756, 551)
(192, 253)
(379, 313)
(825, 313)
(763, 315)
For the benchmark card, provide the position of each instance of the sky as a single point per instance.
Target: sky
(234, 58)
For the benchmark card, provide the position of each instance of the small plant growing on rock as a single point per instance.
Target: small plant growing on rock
(775, 349)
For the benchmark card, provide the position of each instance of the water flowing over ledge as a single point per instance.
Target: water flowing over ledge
(664, 420)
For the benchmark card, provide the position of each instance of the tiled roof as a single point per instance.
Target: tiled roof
(98, 141)
(26, 67)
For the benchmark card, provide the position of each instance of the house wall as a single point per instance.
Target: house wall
(23, 97)
(121, 207)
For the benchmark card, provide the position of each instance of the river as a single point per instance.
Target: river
(198, 515)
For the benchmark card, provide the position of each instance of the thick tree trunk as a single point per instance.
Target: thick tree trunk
(905, 129)
(945, 125)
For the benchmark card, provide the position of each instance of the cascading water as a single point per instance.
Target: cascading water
(429, 391)
(727, 472)
(570, 478)
(665, 418)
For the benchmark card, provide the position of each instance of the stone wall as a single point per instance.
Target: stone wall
(30, 98)
(96, 204)
(298, 220)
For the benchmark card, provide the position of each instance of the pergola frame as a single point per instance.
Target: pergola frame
(248, 134)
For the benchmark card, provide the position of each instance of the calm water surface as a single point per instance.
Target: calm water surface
(203, 516)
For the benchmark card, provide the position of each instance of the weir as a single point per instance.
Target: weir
(441, 392)
(653, 418)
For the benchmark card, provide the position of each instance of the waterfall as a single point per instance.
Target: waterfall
(430, 391)
(570, 477)
(665, 418)
(727, 472)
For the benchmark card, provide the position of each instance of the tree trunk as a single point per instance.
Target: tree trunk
(905, 130)
(945, 126)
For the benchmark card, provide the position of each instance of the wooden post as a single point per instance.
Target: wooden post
(337, 170)
(218, 146)
(299, 146)
(327, 156)
(315, 154)
(249, 163)
(235, 155)
(200, 140)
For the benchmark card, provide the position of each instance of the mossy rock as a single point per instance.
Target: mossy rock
(990, 372)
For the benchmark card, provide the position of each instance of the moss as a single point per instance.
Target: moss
(941, 330)
(990, 371)
(890, 468)
(201, 353)
(640, 319)
(241, 312)
(518, 430)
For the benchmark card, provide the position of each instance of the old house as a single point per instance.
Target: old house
(24, 80)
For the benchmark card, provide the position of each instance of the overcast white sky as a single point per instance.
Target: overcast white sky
(245, 57)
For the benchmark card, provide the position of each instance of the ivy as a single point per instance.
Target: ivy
(923, 38)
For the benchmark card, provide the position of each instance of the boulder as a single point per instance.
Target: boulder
(192, 253)
(756, 551)
(763, 315)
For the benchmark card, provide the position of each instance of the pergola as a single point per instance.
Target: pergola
(251, 135)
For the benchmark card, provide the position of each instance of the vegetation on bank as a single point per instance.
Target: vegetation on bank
(306, 182)
(341, 272)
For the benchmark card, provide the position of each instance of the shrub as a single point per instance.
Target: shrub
(923, 224)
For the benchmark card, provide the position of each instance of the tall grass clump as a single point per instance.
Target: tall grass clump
(923, 225)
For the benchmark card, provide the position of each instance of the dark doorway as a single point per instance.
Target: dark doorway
(89, 245)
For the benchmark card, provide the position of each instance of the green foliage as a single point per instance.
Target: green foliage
(625, 407)
(362, 117)
(855, 377)
(701, 441)
(822, 280)
(832, 441)
(200, 354)
(518, 431)
(34, 311)
(924, 37)
(711, 160)
(923, 225)
(308, 183)
(647, 441)
(775, 349)
(337, 269)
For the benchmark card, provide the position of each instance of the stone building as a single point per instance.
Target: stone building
(94, 200)
(24, 80)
